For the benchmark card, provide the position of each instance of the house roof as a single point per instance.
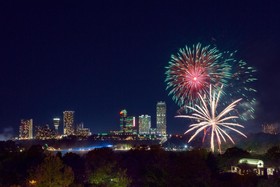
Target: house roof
(250, 161)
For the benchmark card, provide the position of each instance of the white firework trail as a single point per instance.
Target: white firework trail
(209, 119)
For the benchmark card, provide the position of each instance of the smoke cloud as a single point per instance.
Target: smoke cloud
(6, 133)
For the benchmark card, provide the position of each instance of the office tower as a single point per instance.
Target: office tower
(81, 131)
(123, 116)
(44, 132)
(144, 124)
(161, 118)
(68, 123)
(131, 125)
(127, 123)
(56, 124)
(26, 129)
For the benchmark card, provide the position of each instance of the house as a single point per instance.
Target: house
(248, 166)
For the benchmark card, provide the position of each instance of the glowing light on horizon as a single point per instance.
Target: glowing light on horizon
(80, 149)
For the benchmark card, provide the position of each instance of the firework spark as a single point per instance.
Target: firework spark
(190, 73)
(209, 120)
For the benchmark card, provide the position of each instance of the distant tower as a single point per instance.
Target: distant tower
(123, 116)
(127, 123)
(26, 129)
(161, 118)
(56, 124)
(144, 124)
(131, 125)
(81, 131)
(68, 123)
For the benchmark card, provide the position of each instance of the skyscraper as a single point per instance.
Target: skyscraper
(44, 132)
(56, 124)
(131, 125)
(68, 123)
(127, 123)
(161, 118)
(81, 131)
(26, 129)
(144, 124)
(123, 116)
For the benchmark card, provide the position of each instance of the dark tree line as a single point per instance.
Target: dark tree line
(105, 167)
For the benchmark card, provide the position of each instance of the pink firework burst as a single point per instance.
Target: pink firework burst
(191, 72)
(196, 78)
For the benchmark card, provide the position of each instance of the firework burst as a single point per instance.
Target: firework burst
(190, 73)
(240, 84)
(209, 120)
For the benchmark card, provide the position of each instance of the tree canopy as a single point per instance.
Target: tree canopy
(51, 173)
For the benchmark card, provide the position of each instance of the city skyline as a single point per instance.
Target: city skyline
(66, 124)
(97, 58)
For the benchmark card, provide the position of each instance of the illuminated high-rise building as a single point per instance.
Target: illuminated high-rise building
(161, 118)
(144, 124)
(68, 123)
(26, 129)
(81, 131)
(44, 132)
(123, 116)
(127, 123)
(131, 125)
(56, 124)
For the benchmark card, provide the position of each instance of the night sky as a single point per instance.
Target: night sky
(99, 57)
